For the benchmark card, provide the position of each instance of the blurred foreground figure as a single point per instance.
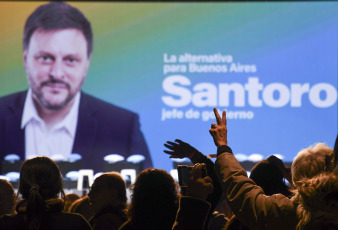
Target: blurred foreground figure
(7, 198)
(41, 208)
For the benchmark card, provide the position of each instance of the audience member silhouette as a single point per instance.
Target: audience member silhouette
(314, 206)
(7, 198)
(108, 199)
(41, 209)
(193, 208)
(70, 198)
(82, 206)
(270, 177)
(154, 201)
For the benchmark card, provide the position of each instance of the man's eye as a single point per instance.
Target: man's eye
(45, 59)
(71, 60)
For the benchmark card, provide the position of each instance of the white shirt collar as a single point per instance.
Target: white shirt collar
(30, 114)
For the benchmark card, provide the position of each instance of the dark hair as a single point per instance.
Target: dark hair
(7, 197)
(40, 180)
(57, 15)
(154, 200)
(115, 181)
(266, 175)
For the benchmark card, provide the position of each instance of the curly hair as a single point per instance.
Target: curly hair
(316, 188)
(154, 201)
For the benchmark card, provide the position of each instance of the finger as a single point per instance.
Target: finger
(196, 171)
(218, 118)
(172, 143)
(212, 132)
(179, 141)
(169, 146)
(168, 152)
(213, 125)
(176, 156)
(224, 118)
(208, 179)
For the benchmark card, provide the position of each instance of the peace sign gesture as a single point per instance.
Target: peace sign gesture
(219, 131)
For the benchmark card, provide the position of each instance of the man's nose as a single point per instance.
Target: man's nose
(56, 70)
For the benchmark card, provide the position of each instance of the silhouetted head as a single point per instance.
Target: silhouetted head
(70, 198)
(40, 186)
(154, 200)
(42, 175)
(58, 15)
(269, 178)
(7, 197)
(108, 189)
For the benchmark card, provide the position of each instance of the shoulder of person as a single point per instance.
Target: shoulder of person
(73, 219)
(12, 221)
(14, 99)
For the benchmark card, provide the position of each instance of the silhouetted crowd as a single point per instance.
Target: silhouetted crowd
(217, 195)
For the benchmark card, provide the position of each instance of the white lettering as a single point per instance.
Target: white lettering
(206, 95)
(297, 91)
(239, 94)
(284, 95)
(183, 93)
(275, 95)
(331, 95)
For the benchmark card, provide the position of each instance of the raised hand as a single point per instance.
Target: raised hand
(179, 149)
(198, 186)
(219, 131)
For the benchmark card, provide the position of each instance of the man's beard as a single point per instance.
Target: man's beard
(39, 95)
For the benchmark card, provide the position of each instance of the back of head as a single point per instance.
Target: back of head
(316, 188)
(40, 181)
(266, 175)
(154, 200)
(82, 206)
(7, 197)
(311, 162)
(113, 180)
(70, 198)
(58, 15)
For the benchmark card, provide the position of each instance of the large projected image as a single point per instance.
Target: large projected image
(271, 65)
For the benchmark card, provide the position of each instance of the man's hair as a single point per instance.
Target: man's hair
(57, 15)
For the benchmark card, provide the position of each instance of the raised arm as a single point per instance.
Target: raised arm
(181, 149)
(247, 200)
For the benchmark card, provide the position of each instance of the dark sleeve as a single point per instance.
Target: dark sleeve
(214, 197)
(138, 144)
(247, 200)
(192, 214)
(81, 223)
